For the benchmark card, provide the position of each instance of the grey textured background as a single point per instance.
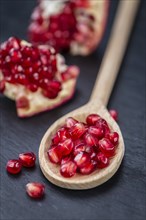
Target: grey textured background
(121, 198)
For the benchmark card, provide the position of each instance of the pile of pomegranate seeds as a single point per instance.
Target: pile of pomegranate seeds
(31, 66)
(83, 147)
(60, 28)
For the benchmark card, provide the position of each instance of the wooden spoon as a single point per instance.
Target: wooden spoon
(99, 98)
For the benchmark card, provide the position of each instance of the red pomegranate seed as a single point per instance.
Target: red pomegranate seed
(79, 148)
(90, 140)
(66, 159)
(15, 55)
(77, 130)
(70, 122)
(101, 123)
(14, 166)
(2, 86)
(68, 169)
(88, 168)
(107, 147)
(66, 146)
(102, 160)
(114, 114)
(22, 102)
(54, 154)
(92, 119)
(97, 131)
(13, 42)
(113, 137)
(27, 159)
(60, 136)
(82, 159)
(35, 190)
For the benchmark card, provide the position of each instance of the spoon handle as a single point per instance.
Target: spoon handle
(114, 53)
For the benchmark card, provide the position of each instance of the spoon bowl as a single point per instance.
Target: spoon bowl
(99, 176)
(99, 98)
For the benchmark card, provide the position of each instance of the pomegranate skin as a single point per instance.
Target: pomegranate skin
(14, 166)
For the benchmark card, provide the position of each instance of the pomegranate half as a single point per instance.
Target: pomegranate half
(36, 77)
(75, 25)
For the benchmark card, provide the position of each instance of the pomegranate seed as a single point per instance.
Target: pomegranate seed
(60, 136)
(92, 119)
(68, 169)
(102, 160)
(113, 137)
(97, 131)
(54, 154)
(88, 168)
(2, 86)
(101, 123)
(70, 122)
(35, 190)
(15, 55)
(66, 146)
(107, 147)
(90, 140)
(82, 159)
(79, 148)
(13, 166)
(66, 159)
(114, 114)
(77, 130)
(27, 159)
(22, 102)
(13, 42)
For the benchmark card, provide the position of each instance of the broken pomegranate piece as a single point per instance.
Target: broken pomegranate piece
(32, 76)
(75, 25)
(79, 147)
(35, 190)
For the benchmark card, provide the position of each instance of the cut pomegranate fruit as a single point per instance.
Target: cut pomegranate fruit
(114, 114)
(107, 147)
(81, 147)
(32, 76)
(27, 159)
(14, 166)
(35, 190)
(77, 25)
(68, 169)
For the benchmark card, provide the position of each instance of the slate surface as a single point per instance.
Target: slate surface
(122, 197)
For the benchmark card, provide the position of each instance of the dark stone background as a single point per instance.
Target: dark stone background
(122, 197)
